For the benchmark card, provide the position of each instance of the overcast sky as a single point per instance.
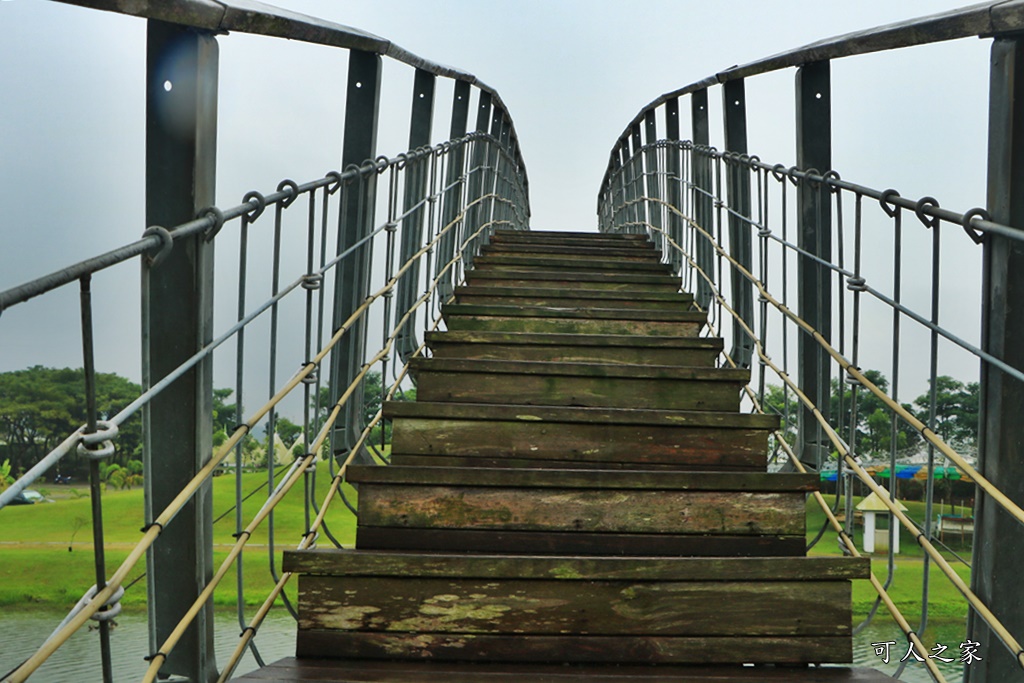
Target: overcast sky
(572, 73)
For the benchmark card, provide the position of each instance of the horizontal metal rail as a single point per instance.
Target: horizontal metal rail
(982, 19)
(258, 18)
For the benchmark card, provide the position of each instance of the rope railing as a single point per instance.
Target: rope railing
(626, 210)
(503, 211)
(847, 542)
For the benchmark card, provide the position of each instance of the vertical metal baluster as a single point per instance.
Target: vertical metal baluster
(95, 494)
(784, 252)
(935, 226)
(243, 250)
(275, 276)
(310, 283)
(763, 233)
(719, 277)
(856, 285)
(436, 173)
(390, 229)
(897, 216)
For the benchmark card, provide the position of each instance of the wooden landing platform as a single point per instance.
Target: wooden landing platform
(292, 670)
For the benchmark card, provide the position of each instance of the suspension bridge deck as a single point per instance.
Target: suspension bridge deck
(574, 496)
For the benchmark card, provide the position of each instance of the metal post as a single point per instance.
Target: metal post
(352, 283)
(477, 175)
(637, 179)
(674, 173)
(740, 240)
(626, 215)
(417, 175)
(814, 235)
(653, 178)
(452, 197)
(703, 188)
(999, 539)
(177, 320)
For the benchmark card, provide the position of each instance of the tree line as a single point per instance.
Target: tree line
(956, 415)
(41, 406)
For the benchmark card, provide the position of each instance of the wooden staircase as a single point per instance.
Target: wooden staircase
(574, 495)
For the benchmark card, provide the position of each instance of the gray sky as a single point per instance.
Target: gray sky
(572, 73)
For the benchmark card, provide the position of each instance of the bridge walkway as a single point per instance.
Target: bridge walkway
(574, 496)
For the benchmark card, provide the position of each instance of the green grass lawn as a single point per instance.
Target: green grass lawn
(945, 601)
(37, 568)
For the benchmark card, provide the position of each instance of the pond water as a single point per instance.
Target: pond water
(78, 660)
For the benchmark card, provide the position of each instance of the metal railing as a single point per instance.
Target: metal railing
(382, 243)
(801, 268)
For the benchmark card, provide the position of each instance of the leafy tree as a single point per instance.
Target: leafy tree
(40, 407)
(956, 410)
(873, 423)
(224, 414)
(372, 393)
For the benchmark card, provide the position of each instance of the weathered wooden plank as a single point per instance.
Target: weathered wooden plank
(545, 607)
(557, 543)
(570, 262)
(579, 298)
(616, 340)
(348, 670)
(627, 252)
(425, 506)
(589, 312)
(581, 649)
(453, 565)
(730, 465)
(582, 370)
(552, 434)
(571, 325)
(710, 447)
(569, 414)
(549, 236)
(611, 386)
(575, 353)
(563, 280)
(555, 479)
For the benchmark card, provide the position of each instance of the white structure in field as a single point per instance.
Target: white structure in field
(871, 506)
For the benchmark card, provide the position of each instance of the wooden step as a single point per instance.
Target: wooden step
(577, 298)
(571, 263)
(625, 282)
(295, 670)
(595, 512)
(508, 435)
(572, 238)
(651, 610)
(578, 384)
(630, 252)
(544, 319)
(575, 348)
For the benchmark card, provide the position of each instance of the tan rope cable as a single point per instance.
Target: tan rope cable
(1005, 502)
(248, 633)
(171, 641)
(991, 620)
(154, 529)
(332, 418)
(307, 539)
(883, 594)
